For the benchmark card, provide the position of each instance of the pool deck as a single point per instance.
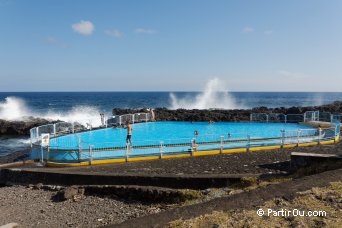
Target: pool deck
(191, 172)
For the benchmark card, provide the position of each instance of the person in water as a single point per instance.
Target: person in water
(129, 133)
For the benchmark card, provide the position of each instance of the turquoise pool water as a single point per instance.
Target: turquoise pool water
(151, 133)
(156, 138)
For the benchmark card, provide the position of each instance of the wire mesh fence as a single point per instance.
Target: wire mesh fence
(295, 118)
(62, 128)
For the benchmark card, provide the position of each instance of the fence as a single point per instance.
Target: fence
(133, 118)
(62, 128)
(295, 118)
(75, 150)
(56, 129)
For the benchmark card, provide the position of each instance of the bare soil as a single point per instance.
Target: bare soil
(37, 208)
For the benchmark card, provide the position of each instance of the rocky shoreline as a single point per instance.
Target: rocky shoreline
(235, 115)
(22, 127)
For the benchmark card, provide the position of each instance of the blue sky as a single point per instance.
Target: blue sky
(174, 45)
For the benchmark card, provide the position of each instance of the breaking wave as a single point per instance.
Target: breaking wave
(215, 96)
(13, 108)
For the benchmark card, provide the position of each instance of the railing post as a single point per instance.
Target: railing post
(285, 118)
(73, 127)
(221, 142)
(90, 154)
(54, 130)
(42, 154)
(319, 135)
(248, 142)
(161, 149)
(282, 138)
(133, 118)
(127, 150)
(48, 153)
(266, 118)
(79, 148)
(193, 146)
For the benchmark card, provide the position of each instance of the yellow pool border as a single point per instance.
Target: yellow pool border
(193, 154)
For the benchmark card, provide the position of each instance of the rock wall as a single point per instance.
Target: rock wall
(20, 127)
(237, 115)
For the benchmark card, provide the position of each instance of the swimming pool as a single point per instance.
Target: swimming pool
(175, 138)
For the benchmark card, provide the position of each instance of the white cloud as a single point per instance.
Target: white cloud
(83, 27)
(145, 31)
(293, 75)
(247, 29)
(114, 33)
(268, 32)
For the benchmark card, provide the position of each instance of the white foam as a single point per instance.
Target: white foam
(215, 95)
(81, 114)
(13, 108)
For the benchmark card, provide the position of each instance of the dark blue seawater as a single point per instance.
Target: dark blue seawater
(105, 101)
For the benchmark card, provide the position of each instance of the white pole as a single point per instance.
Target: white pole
(298, 134)
(192, 146)
(248, 142)
(221, 141)
(127, 152)
(54, 130)
(79, 148)
(161, 149)
(282, 137)
(90, 154)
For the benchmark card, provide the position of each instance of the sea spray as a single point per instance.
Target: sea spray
(215, 95)
(14, 108)
(81, 114)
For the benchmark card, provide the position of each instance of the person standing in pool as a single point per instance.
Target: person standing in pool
(129, 134)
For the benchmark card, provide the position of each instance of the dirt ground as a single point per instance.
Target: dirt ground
(37, 208)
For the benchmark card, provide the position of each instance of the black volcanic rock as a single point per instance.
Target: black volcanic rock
(235, 115)
(20, 127)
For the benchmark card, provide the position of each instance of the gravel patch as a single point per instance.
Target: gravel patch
(36, 208)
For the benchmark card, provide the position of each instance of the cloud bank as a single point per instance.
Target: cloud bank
(83, 27)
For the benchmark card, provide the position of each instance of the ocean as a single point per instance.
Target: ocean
(72, 106)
